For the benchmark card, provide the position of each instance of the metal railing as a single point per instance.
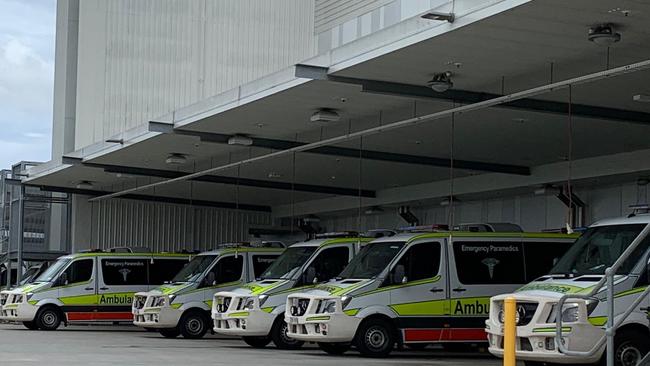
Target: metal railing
(612, 324)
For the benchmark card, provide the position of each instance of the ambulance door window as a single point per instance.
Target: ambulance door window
(228, 269)
(124, 272)
(261, 262)
(328, 264)
(485, 263)
(78, 272)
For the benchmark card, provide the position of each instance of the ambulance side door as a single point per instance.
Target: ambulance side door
(227, 273)
(76, 287)
(119, 278)
(417, 284)
(480, 268)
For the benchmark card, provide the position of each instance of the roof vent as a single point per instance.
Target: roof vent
(325, 116)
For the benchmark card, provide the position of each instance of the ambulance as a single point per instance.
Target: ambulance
(255, 311)
(418, 288)
(94, 286)
(583, 321)
(182, 307)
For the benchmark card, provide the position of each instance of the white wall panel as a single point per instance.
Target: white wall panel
(330, 13)
(167, 227)
(140, 59)
(533, 213)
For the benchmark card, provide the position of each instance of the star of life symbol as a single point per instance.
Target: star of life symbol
(125, 273)
(490, 263)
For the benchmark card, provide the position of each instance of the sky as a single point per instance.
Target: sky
(26, 80)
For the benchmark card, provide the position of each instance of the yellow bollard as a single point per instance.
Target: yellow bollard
(509, 332)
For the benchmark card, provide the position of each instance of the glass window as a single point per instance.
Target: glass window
(372, 260)
(330, 262)
(124, 272)
(261, 263)
(164, 270)
(599, 247)
(51, 273)
(194, 269)
(288, 263)
(487, 263)
(228, 269)
(540, 257)
(79, 271)
(421, 261)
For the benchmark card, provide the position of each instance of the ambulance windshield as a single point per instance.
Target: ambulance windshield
(371, 260)
(598, 248)
(51, 273)
(288, 263)
(192, 271)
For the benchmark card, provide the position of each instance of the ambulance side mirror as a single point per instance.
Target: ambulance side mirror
(309, 276)
(399, 275)
(211, 279)
(63, 279)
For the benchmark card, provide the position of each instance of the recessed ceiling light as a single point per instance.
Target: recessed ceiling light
(85, 184)
(176, 159)
(240, 140)
(643, 98)
(603, 35)
(325, 116)
(260, 125)
(441, 82)
(333, 177)
(520, 120)
(274, 175)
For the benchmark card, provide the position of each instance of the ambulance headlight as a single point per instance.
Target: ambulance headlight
(345, 301)
(570, 313)
(328, 306)
(171, 298)
(262, 299)
(249, 303)
(159, 301)
(28, 296)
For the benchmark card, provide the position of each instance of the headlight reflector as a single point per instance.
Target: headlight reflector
(570, 313)
(327, 306)
(262, 299)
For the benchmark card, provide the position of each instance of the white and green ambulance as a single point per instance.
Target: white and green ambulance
(583, 321)
(255, 311)
(87, 287)
(182, 307)
(419, 288)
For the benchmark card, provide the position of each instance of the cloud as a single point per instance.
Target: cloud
(26, 80)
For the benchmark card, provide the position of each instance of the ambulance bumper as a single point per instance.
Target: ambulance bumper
(304, 323)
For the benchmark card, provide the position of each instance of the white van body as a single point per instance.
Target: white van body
(255, 311)
(183, 306)
(582, 267)
(87, 287)
(419, 288)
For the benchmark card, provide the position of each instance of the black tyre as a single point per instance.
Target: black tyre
(49, 318)
(334, 348)
(630, 347)
(257, 342)
(375, 338)
(280, 338)
(194, 324)
(30, 325)
(169, 332)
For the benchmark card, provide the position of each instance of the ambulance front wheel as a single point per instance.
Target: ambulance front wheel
(257, 342)
(49, 318)
(194, 324)
(375, 338)
(630, 346)
(281, 339)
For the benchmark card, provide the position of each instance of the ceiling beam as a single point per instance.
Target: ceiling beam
(469, 97)
(276, 144)
(246, 182)
(160, 199)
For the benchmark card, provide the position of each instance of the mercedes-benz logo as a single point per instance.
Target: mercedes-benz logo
(521, 314)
